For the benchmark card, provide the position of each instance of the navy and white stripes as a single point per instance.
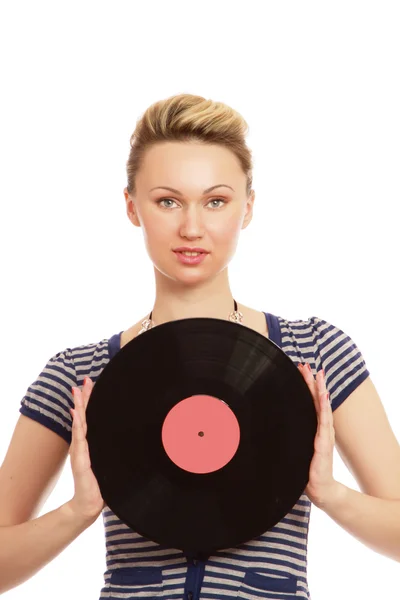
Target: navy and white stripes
(272, 566)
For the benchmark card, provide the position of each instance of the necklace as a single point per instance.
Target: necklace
(235, 316)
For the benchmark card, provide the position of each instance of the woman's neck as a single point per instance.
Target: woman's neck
(172, 309)
(175, 300)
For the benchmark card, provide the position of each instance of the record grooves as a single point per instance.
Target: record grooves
(201, 433)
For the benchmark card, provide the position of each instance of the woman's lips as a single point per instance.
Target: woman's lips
(191, 260)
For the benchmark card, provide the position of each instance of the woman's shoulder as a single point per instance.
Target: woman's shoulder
(325, 345)
(292, 334)
(48, 399)
(310, 329)
(80, 361)
(317, 340)
(304, 323)
(90, 356)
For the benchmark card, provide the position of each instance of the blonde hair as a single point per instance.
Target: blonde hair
(186, 117)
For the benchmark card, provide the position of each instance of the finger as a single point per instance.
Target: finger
(319, 442)
(79, 448)
(330, 430)
(329, 418)
(310, 381)
(323, 438)
(87, 390)
(77, 432)
(80, 411)
(322, 392)
(308, 375)
(326, 412)
(80, 461)
(319, 385)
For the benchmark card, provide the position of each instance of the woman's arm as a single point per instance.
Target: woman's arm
(373, 521)
(370, 450)
(27, 544)
(27, 547)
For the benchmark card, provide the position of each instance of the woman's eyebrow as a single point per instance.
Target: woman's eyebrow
(163, 187)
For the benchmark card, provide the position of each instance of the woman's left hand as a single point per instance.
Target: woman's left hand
(321, 483)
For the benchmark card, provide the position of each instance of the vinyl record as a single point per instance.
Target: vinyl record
(201, 433)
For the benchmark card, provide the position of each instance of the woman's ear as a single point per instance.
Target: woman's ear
(248, 215)
(131, 209)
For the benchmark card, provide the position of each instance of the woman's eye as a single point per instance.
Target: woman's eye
(165, 200)
(218, 200)
(170, 200)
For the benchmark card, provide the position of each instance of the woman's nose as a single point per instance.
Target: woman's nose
(192, 224)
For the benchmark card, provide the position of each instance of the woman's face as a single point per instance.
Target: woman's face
(211, 220)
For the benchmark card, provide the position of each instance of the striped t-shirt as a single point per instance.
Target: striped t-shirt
(274, 565)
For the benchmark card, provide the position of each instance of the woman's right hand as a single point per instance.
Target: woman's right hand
(87, 501)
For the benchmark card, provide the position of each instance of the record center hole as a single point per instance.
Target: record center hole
(201, 433)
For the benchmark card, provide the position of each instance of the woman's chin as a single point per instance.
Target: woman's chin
(183, 274)
(190, 274)
(191, 277)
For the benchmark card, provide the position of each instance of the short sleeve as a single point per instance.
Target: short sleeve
(49, 398)
(343, 363)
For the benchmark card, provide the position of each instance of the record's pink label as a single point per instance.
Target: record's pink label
(200, 434)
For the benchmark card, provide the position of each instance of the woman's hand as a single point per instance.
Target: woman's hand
(321, 484)
(87, 501)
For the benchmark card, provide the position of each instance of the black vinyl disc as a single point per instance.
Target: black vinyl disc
(201, 434)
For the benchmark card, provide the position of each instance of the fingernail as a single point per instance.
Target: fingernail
(308, 367)
(73, 391)
(84, 380)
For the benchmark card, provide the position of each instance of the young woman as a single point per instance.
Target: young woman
(189, 189)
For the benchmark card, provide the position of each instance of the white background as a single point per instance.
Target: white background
(318, 83)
